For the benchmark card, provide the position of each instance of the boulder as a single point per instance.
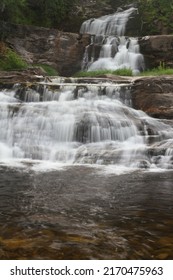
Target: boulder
(154, 95)
(157, 50)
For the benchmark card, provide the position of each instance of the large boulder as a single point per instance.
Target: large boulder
(157, 50)
(154, 95)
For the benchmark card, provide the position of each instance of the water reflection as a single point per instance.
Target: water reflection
(77, 213)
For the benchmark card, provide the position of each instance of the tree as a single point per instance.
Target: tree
(50, 12)
(11, 10)
(157, 15)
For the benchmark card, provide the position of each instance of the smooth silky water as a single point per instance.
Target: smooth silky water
(110, 48)
(82, 174)
(82, 177)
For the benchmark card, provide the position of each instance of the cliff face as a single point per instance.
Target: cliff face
(157, 50)
(37, 45)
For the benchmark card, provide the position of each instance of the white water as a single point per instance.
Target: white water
(89, 124)
(114, 24)
(116, 50)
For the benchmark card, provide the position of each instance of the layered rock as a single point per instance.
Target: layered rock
(157, 50)
(154, 95)
(37, 45)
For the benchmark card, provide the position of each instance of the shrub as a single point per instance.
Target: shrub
(11, 61)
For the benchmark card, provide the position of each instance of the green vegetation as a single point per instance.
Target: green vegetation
(9, 60)
(12, 10)
(161, 70)
(157, 72)
(156, 15)
(47, 13)
(50, 71)
(119, 72)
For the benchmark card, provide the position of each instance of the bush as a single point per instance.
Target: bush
(9, 60)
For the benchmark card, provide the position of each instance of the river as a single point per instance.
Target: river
(81, 212)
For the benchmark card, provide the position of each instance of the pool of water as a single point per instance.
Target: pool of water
(82, 213)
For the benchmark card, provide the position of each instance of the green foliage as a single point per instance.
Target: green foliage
(50, 71)
(159, 71)
(11, 10)
(11, 61)
(157, 16)
(48, 13)
(120, 72)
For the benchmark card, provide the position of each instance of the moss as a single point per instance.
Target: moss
(50, 71)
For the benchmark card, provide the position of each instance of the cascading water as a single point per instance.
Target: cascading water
(109, 48)
(81, 124)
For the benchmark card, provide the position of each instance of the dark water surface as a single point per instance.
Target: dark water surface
(77, 213)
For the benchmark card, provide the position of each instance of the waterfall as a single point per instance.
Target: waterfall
(73, 121)
(109, 48)
(81, 123)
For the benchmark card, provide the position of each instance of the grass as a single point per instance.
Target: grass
(50, 71)
(119, 72)
(11, 61)
(157, 72)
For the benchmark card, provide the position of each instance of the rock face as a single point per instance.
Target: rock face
(157, 50)
(37, 45)
(154, 95)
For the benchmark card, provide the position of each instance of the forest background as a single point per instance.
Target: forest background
(67, 15)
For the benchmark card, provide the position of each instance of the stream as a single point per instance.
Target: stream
(81, 212)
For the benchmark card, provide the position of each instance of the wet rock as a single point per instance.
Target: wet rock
(32, 74)
(144, 164)
(156, 50)
(154, 95)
